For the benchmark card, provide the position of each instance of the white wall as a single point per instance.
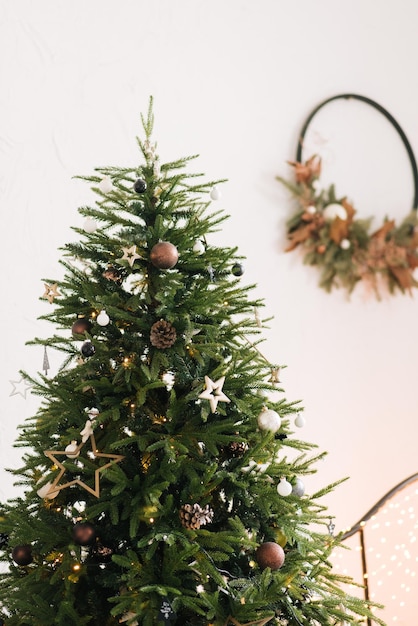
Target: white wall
(232, 81)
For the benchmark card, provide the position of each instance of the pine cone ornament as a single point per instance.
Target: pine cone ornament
(163, 334)
(236, 449)
(193, 516)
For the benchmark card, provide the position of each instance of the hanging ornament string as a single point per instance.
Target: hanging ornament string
(339, 243)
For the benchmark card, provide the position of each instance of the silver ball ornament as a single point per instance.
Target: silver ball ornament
(298, 489)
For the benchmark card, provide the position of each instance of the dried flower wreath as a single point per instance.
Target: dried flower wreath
(340, 244)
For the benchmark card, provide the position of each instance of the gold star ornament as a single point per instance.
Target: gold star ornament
(95, 491)
(213, 392)
(260, 622)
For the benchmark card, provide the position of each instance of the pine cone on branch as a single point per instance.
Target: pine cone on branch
(193, 516)
(163, 334)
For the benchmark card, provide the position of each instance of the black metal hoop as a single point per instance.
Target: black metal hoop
(389, 117)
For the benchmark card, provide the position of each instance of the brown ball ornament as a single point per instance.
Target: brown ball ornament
(270, 554)
(84, 534)
(164, 255)
(80, 326)
(22, 555)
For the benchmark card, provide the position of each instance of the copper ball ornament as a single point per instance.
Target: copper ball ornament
(164, 255)
(84, 534)
(80, 326)
(270, 554)
(22, 555)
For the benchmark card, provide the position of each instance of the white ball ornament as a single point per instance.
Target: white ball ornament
(71, 450)
(284, 488)
(215, 194)
(106, 184)
(103, 319)
(300, 421)
(311, 209)
(199, 247)
(334, 210)
(345, 244)
(90, 225)
(44, 491)
(269, 420)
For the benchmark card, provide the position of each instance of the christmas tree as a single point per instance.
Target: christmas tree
(163, 482)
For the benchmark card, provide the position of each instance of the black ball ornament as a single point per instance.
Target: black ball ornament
(22, 555)
(84, 534)
(270, 554)
(237, 269)
(140, 185)
(164, 255)
(87, 349)
(80, 326)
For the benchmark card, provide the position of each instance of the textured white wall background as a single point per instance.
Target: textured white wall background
(232, 81)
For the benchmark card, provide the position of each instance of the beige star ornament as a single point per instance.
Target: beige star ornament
(213, 392)
(130, 255)
(51, 292)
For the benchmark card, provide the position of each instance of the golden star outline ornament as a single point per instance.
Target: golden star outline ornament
(231, 620)
(53, 454)
(130, 255)
(51, 292)
(214, 393)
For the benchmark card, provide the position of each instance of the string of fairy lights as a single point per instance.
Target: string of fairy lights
(384, 553)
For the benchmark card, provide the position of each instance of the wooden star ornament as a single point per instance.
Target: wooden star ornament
(235, 622)
(130, 255)
(53, 454)
(51, 292)
(214, 393)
